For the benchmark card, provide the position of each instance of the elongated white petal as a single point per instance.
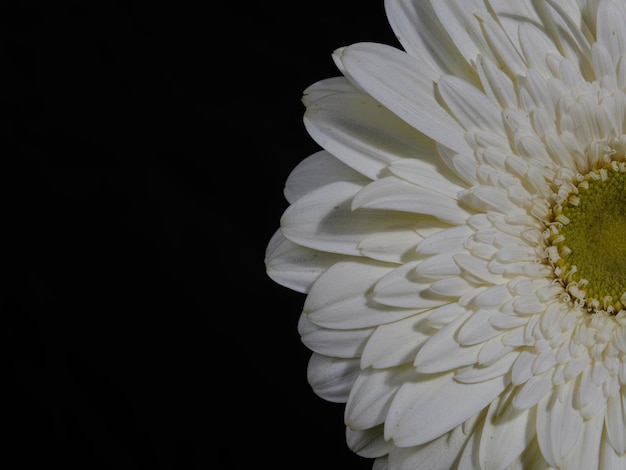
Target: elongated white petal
(328, 86)
(609, 458)
(344, 344)
(496, 84)
(368, 443)
(460, 22)
(399, 288)
(470, 107)
(611, 28)
(444, 241)
(332, 378)
(586, 453)
(339, 298)
(295, 266)
(397, 81)
(615, 418)
(431, 175)
(324, 220)
(361, 134)
(443, 353)
(422, 35)
(396, 343)
(397, 195)
(395, 245)
(372, 394)
(419, 411)
(317, 170)
(559, 425)
(505, 434)
(439, 453)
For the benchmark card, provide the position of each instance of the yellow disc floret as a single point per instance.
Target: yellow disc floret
(591, 240)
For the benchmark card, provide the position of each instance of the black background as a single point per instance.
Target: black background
(145, 150)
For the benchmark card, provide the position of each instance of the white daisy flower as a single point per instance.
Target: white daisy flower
(461, 237)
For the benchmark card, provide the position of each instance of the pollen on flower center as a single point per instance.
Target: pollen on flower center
(588, 239)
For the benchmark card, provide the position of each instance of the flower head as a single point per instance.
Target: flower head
(461, 237)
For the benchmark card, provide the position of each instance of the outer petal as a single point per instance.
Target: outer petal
(420, 411)
(344, 344)
(317, 170)
(397, 81)
(371, 396)
(506, 433)
(340, 298)
(422, 35)
(442, 453)
(332, 378)
(324, 220)
(294, 266)
(362, 134)
(369, 443)
(397, 343)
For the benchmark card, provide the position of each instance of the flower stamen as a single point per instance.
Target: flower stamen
(585, 239)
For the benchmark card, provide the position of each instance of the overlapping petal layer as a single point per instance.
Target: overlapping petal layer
(424, 235)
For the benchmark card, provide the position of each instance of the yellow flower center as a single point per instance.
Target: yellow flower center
(589, 235)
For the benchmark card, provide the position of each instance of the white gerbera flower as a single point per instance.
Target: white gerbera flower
(461, 237)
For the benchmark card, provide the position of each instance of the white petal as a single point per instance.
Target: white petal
(362, 134)
(480, 373)
(421, 34)
(317, 170)
(610, 459)
(444, 241)
(493, 297)
(442, 352)
(441, 266)
(369, 443)
(394, 194)
(462, 164)
(477, 268)
(493, 350)
(431, 175)
(397, 81)
(477, 328)
(611, 28)
(339, 298)
(615, 419)
(469, 106)
(294, 266)
(324, 220)
(459, 20)
(438, 454)
(453, 287)
(420, 410)
(402, 288)
(489, 198)
(506, 433)
(559, 425)
(381, 463)
(332, 378)
(535, 45)
(327, 86)
(497, 85)
(372, 394)
(396, 343)
(439, 317)
(586, 453)
(395, 245)
(533, 390)
(345, 344)
(505, 51)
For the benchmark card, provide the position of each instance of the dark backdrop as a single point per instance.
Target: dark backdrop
(146, 147)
